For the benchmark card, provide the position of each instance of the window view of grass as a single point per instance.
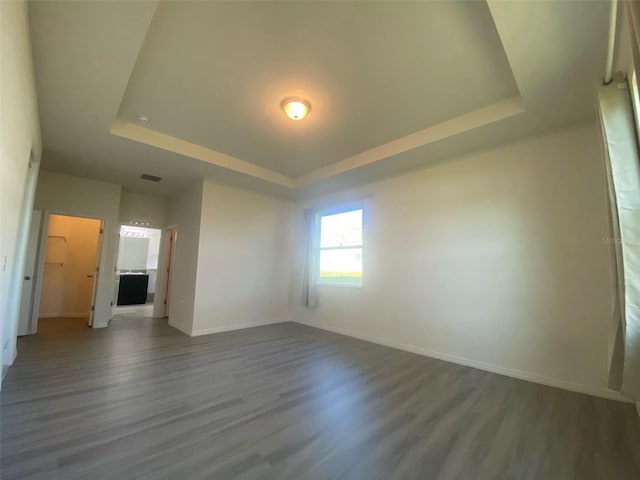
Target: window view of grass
(341, 248)
(342, 278)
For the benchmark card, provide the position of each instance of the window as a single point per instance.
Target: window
(341, 248)
(635, 98)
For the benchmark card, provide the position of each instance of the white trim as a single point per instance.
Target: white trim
(15, 274)
(229, 328)
(223, 328)
(63, 315)
(101, 256)
(100, 325)
(509, 372)
(329, 284)
(168, 143)
(468, 121)
(40, 255)
(339, 209)
(5, 367)
(611, 43)
(166, 261)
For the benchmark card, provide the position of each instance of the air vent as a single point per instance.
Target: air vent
(151, 178)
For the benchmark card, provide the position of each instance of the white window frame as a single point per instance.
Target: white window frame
(635, 99)
(319, 249)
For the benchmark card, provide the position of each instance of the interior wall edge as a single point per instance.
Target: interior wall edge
(229, 328)
(487, 367)
(180, 327)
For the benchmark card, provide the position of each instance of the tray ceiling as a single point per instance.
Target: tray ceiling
(392, 85)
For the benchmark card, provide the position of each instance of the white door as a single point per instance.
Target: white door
(25, 319)
(96, 274)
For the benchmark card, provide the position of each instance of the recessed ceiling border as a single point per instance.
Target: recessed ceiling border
(463, 123)
(477, 118)
(160, 140)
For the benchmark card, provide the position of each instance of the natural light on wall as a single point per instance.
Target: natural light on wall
(635, 97)
(341, 248)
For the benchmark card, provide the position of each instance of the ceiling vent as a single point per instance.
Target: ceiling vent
(151, 178)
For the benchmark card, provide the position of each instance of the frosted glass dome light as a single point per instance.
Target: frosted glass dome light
(295, 108)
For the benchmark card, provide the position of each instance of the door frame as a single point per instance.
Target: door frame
(116, 279)
(16, 273)
(31, 312)
(41, 253)
(162, 307)
(96, 273)
(158, 302)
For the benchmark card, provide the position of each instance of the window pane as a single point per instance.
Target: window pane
(342, 266)
(635, 95)
(341, 229)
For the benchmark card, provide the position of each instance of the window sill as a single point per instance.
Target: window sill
(340, 285)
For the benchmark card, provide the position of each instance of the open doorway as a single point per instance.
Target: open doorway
(69, 280)
(137, 271)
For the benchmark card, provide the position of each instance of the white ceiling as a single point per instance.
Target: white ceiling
(214, 74)
(393, 85)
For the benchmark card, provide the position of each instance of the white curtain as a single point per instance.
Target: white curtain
(623, 175)
(310, 264)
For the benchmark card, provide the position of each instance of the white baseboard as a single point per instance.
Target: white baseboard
(224, 328)
(509, 372)
(5, 367)
(64, 315)
(229, 328)
(183, 329)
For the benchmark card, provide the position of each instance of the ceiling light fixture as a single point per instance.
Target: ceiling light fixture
(296, 108)
(128, 233)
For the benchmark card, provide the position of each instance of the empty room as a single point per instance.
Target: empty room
(320, 240)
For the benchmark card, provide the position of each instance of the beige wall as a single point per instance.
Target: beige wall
(232, 262)
(70, 257)
(19, 136)
(137, 207)
(68, 195)
(494, 260)
(244, 257)
(184, 212)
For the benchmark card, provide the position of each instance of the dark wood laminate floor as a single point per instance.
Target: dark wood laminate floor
(141, 400)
